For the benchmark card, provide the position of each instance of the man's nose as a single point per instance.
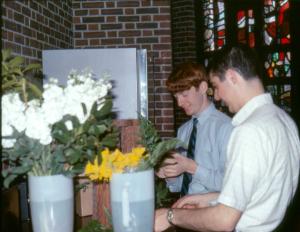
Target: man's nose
(179, 101)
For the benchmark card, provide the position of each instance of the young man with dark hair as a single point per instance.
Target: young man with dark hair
(263, 156)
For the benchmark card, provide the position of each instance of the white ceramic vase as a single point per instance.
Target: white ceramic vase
(51, 203)
(132, 201)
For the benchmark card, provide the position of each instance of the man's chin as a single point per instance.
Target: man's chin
(188, 113)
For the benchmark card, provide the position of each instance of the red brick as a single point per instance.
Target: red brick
(129, 41)
(166, 39)
(146, 18)
(81, 42)
(129, 25)
(94, 42)
(111, 19)
(128, 18)
(80, 12)
(94, 12)
(110, 4)
(112, 34)
(111, 12)
(111, 41)
(93, 34)
(161, 18)
(165, 25)
(93, 27)
(128, 3)
(129, 33)
(147, 33)
(92, 4)
(129, 11)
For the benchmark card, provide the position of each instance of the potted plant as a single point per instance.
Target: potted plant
(52, 133)
(131, 177)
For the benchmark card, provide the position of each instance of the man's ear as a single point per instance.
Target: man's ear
(203, 86)
(232, 76)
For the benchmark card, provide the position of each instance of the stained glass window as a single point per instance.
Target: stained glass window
(276, 22)
(263, 25)
(281, 95)
(214, 23)
(277, 64)
(245, 24)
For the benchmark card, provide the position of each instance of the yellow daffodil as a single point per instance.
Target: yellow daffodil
(93, 170)
(115, 162)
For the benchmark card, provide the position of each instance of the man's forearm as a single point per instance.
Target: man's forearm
(216, 218)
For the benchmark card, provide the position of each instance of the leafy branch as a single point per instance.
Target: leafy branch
(15, 73)
(155, 146)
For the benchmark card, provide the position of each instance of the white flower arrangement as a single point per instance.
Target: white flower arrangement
(59, 132)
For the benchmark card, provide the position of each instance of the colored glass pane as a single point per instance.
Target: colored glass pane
(281, 95)
(251, 23)
(214, 21)
(277, 64)
(276, 25)
(245, 24)
(283, 24)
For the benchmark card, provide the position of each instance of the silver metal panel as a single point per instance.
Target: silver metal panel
(122, 63)
(142, 82)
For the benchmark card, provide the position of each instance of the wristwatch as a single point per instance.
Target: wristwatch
(170, 216)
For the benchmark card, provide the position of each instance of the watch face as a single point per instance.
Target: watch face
(170, 216)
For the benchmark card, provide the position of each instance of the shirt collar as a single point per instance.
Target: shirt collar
(250, 107)
(202, 116)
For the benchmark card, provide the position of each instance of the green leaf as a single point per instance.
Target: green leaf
(59, 155)
(84, 109)
(72, 155)
(8, 180)
(6, 53)
(109, 140)
(32, 67)
(20, 170)
(16, 61)
(60, 132)
(97, 129)
(105, 110)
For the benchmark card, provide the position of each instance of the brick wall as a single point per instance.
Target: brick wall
(138, 24)
(29, 26)
(183, 41)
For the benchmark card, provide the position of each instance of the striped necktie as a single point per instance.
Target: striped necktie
(187, 177)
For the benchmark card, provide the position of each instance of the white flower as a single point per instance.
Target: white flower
(37, 117)
(8, 143)
(54, 103)
(69, 125)
(37, 126)
(13, 111)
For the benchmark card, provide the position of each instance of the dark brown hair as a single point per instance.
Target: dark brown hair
(240, 58)
(186, 75)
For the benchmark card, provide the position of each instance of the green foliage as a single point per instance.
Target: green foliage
(162, 194)
(15, 73)
(156, 147)
(70, 151)
(95, 226)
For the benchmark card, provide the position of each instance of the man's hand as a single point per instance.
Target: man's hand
(196, 201)
(175, 166)
(186, 164)
(161, 171)
(161, 222)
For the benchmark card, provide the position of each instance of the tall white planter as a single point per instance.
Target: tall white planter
(51, 203)
(132, 201)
